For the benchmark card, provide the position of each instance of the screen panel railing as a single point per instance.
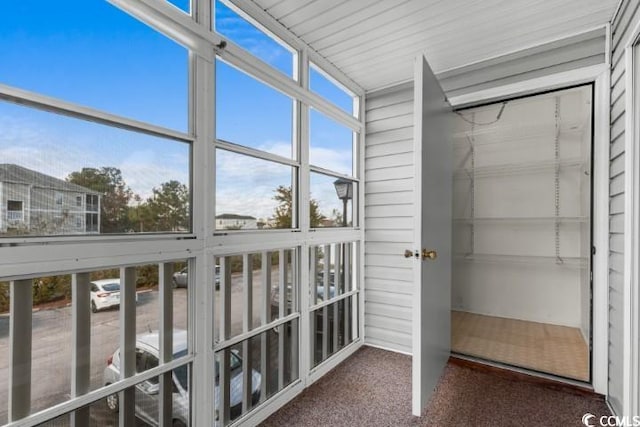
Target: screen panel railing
(256, 335)
(98, 347)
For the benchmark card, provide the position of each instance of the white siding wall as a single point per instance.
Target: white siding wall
(620, 32)
(389, 218)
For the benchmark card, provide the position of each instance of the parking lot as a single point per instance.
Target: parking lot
(52, 344)
(51, 350)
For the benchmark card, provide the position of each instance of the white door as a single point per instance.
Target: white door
(432, 252)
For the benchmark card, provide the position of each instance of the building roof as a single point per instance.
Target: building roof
(234, 216)
(21, 175)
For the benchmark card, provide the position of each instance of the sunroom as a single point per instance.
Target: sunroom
(206, 206)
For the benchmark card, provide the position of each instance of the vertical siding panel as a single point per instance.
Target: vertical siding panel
(388, 216)
(621, 31)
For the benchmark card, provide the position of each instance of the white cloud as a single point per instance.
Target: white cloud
(332, 159)
(58, 146)
(144, 170)
(245, 185)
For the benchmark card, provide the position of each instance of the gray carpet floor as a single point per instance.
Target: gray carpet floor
(373, 388)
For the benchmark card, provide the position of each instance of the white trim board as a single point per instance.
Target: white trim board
(528, 87)
(599, 75)
(631, 297)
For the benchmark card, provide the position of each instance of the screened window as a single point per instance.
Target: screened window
(328, 88)
(253, 193)
(331, 144)
(252, 114)
(48, 346)
(132, 182)
(246, 34)
(331, 201)
(333, 292)
(93, 54)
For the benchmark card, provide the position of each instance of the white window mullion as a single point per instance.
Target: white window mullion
(292, 343)
(309, 325)
(165, 299)
(265, 348)
(224, 387)
(336, 286)
(306, 325)
(326, 272)
(347, 288)
(127, 397)
(70, 109)
(357, 314)
(281, 283)
(281, 313)
(225, 298)
(247, 324)
(20, 322)
(325, 309)
(247, 291)
(294, 337)
(201, 270)
(81, 345)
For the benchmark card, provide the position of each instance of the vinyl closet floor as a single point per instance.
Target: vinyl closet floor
(558, 350)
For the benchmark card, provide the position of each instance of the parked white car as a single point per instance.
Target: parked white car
(105, 294)
(146, 401)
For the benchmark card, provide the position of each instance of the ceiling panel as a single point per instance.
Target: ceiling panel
(375, 42)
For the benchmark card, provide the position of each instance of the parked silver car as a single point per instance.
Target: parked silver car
(146, 400)
(181, 278)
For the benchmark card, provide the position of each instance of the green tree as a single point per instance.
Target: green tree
(283, 212)
(336, 217)
(115, 196)
(166, 210)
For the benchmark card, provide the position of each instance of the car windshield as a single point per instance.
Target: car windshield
(111, 287)
(181, 373)
(235, 362)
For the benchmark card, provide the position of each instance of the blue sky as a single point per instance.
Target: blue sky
(90, 53)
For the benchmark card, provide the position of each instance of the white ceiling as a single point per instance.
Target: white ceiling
(375, 42)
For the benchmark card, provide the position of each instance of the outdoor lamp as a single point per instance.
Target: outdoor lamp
(344, 190)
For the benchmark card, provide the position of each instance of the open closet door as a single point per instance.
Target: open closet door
(432, 250)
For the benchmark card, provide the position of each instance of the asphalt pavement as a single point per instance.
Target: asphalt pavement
(52, 345)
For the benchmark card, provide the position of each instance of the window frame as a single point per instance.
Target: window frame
(67, 109)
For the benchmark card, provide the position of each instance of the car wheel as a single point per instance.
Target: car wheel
(94, 308)
(178, 423)
(175, 284)
(112, 402)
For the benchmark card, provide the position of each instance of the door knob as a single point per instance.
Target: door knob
(408, 253)
(426, 254)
